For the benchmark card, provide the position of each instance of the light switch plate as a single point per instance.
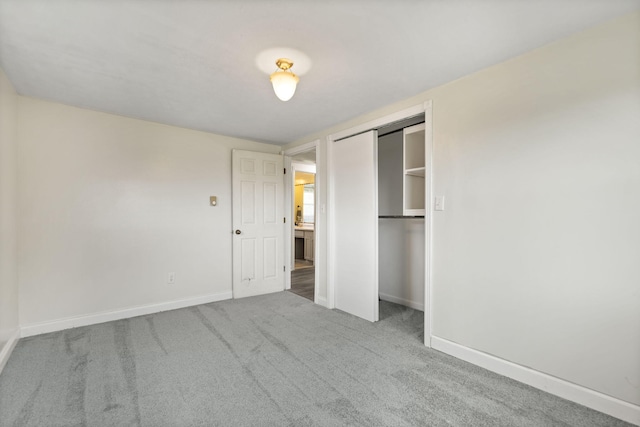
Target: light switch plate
(213, 201)
(439, 204)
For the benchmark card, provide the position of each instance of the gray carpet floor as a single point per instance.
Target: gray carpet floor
(274, 360)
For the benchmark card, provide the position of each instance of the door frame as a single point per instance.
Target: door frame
(318, 261)
(427, 109)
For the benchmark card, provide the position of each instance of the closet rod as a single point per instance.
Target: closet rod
(400, 216)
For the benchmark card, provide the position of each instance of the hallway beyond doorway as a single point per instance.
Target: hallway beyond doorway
(302, 281)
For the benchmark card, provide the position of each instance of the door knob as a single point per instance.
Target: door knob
(238, 232)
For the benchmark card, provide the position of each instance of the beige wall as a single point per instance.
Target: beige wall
(110, 205)
(8, 212)
(536, 256)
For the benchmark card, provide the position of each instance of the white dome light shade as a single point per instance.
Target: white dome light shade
(284, 84)
(284, 81)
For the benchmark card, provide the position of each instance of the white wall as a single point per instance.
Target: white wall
(536, 256)
(8, 215)
(539, 159)
(110, 205)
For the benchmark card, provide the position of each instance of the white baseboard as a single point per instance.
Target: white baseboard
(592, 399)
(401, 301)
(321, 301)
(108, 316)
(5, 352)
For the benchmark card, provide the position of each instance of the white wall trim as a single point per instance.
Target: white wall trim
(321, 301)
(108, 316)
(396, 300)
(8, 348)
(595, 400)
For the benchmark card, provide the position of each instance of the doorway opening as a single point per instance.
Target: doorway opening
(401, 222)
(302, 201)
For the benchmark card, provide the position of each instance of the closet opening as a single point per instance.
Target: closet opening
(401, 222)
(380, 220)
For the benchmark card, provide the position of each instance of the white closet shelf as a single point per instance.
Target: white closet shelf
(415, 171)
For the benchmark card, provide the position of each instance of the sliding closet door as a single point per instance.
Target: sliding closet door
(354, 219)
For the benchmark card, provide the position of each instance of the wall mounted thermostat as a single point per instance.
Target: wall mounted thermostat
(213, 201)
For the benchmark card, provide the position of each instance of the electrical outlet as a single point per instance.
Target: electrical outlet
(171, 278)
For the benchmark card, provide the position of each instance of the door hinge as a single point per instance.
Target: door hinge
(284, 219)
(284, 268)
(285, 171)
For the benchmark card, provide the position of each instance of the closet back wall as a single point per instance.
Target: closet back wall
(401, 241)
(110, 205)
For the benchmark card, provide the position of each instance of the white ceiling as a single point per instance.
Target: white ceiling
(192, 63)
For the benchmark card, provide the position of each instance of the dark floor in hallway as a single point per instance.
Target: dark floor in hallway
(302, 282)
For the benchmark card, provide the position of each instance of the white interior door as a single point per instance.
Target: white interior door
(258, 226)
(354, 219)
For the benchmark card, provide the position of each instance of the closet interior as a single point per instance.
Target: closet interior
(401, 212)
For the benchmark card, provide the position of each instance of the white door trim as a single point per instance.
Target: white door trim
(331, 301)
(428, 226)
(427, 109)
(288, 219)
(318, 230)
(303, 148)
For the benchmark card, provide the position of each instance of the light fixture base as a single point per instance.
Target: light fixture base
(267, 58)
(284, 63)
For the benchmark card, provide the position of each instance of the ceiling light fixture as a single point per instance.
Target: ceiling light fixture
(283, 80)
